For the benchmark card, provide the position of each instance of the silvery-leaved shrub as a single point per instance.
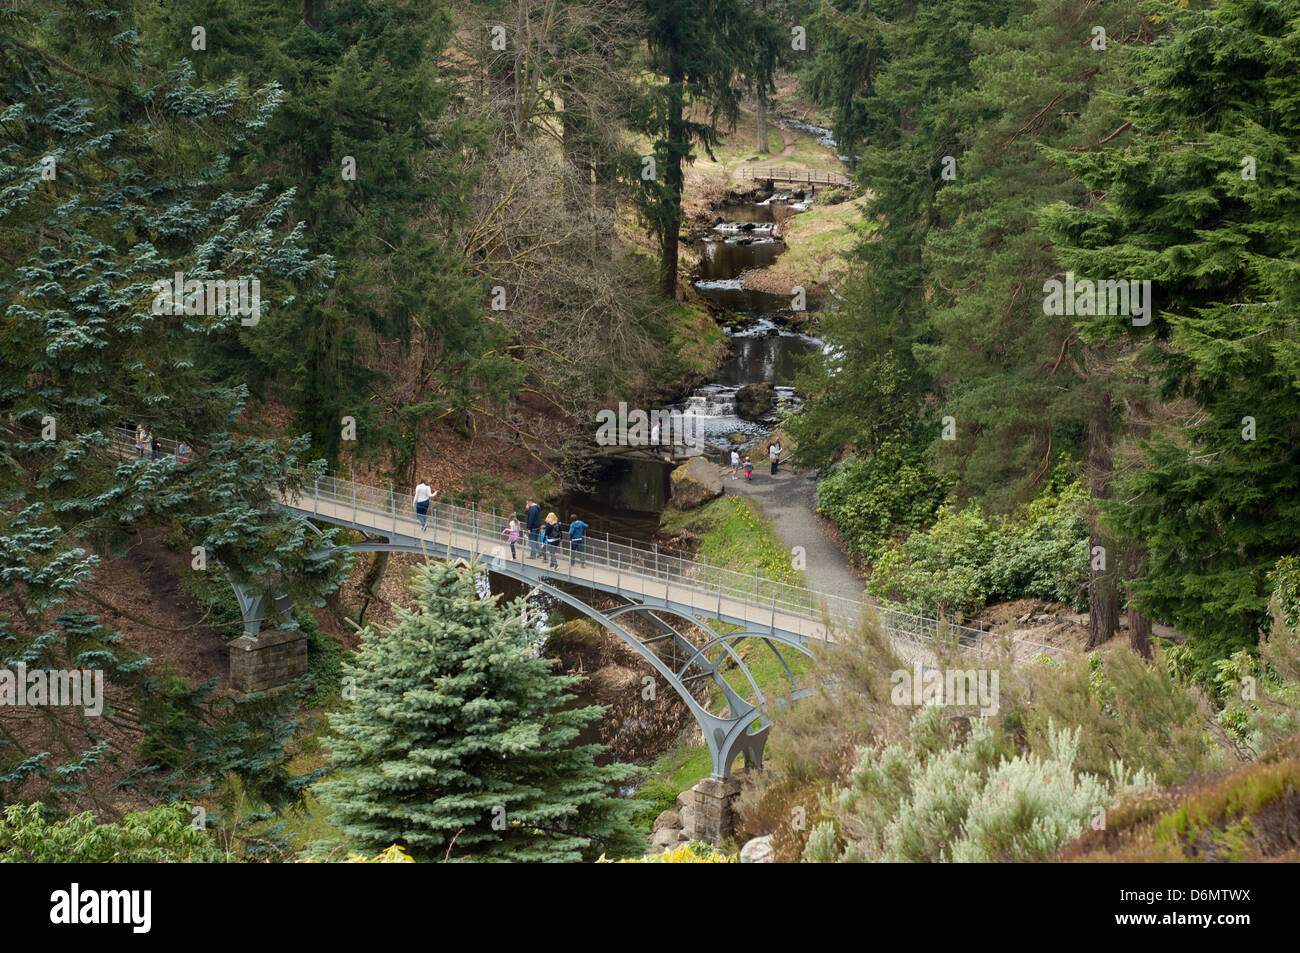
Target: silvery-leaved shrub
(1030, 807)
(937, 796)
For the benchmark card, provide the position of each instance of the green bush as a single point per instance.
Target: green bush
(967, 558)
(163, 834)
(871, 499)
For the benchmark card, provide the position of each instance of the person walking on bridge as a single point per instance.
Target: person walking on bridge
(551, 538)
(423, 495)
(577, 537)
(533, 523)
(511, 533)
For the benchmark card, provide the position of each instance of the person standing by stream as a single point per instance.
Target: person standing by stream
(774, 454)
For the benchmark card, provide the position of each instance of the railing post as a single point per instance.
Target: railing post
(618, 572)
(656, 569)
(354, 500)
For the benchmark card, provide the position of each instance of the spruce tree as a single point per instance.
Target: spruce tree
(460, 743)
(700, 48)
(383, 165)
(106, 187)
(886, 71)
(1203, 203)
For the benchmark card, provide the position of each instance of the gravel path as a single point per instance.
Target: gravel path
(789, 500)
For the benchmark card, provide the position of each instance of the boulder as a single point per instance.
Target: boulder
(667, 820)
(687, 815)
(665, 838)
(758, 851)
(755, 401)
(695, 483)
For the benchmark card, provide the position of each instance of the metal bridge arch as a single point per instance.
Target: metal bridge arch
(745, 727)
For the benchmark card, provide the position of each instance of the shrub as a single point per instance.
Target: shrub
(1130, 711)
(692, 852)
(875, 497)
(934, 797)
(164, 834)
(967, 559)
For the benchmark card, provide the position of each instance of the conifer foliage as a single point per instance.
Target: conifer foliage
(460, 744)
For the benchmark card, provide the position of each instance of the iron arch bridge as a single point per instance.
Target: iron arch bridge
(655, 586)
(740, 729)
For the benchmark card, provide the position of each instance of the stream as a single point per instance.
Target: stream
(629, 496)
(762, 348)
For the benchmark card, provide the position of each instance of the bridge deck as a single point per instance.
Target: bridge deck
(803, 176)
(597, 574)
(684, 586)
(628, 568)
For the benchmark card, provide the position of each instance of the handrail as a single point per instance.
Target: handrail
(811, 176)
(383, 509)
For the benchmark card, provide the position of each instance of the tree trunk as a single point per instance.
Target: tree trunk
(1103, 590)
(673, 178)
(1139, 632)
(762, 120)
(576, 142)
(519, 78)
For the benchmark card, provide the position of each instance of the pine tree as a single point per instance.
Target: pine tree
(887, 71)
(106, 187)
(699, 47)
(1203, 203)
(459, 742)
(1020, 384)
(382, 166)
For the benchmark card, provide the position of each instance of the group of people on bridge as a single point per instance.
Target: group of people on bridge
(146, 439)
(544, 535)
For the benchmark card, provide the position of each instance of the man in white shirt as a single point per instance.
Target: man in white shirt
(735, 463)
(774, 454)
(423, 494)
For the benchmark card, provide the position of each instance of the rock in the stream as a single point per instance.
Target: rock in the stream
(694, 483)
(755, 401)
(758, 851)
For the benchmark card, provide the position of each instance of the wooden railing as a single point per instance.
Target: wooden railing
(803, 176)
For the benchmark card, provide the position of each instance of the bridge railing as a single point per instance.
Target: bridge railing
(704, 587)
(807, 176)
